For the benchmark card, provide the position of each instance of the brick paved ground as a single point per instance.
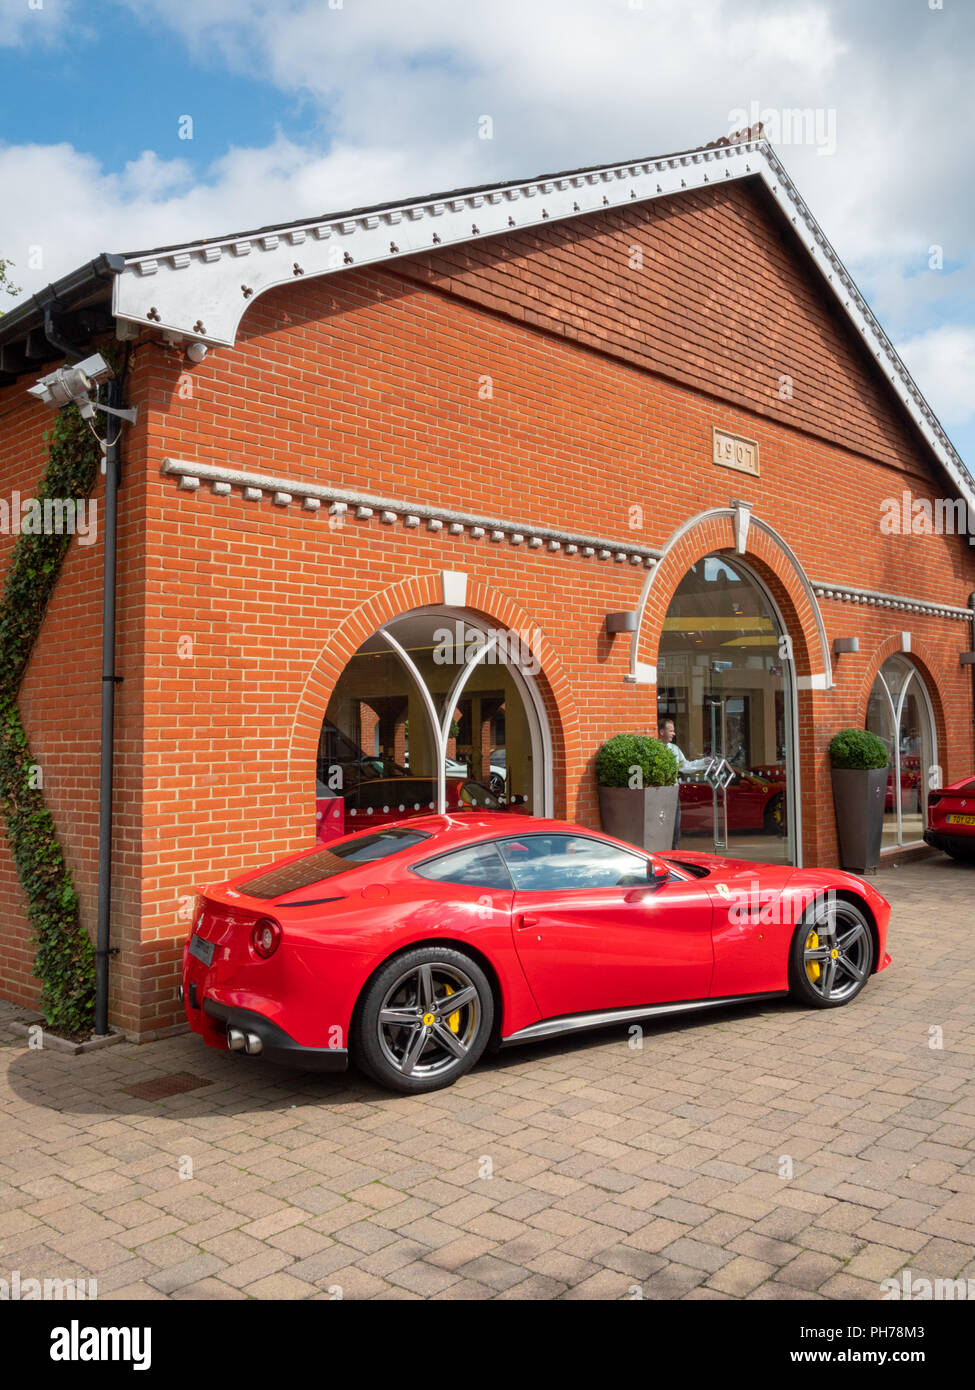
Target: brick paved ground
(614, 1170)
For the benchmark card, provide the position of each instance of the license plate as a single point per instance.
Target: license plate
(961, 820)
(203, 950)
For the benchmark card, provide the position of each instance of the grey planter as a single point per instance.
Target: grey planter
(642, 818)
(859, 796)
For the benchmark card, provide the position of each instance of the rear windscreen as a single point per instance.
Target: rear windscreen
(327, 862)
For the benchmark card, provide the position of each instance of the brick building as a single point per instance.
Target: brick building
(649, 389)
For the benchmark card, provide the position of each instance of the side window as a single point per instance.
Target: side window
(480, 866)
(543, 863)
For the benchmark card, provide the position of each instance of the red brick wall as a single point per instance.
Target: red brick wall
(60, 706)
(712, 289)
(237, 617)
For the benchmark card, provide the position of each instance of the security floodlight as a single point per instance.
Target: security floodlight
(75, 383)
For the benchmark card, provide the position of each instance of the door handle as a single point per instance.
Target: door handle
(522, 922)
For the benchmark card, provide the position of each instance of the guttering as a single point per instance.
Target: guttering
(72, 291)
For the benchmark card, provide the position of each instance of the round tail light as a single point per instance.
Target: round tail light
(265, 937)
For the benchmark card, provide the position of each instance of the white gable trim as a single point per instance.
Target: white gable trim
(202, 290)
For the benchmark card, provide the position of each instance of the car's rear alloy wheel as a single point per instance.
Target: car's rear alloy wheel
(425, 1020)
(832, 954)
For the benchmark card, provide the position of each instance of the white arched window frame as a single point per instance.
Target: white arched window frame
(896, 699)
(440, 728)
(438, 723)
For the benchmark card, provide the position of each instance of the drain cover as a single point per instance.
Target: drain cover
(163, 1086)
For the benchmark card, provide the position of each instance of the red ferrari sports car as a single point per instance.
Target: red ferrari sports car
(413, 947)
(951, 819)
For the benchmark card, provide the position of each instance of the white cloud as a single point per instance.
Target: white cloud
(27, 22)
(64, 208)
(942, 362)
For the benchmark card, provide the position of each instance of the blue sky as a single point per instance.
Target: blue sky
(51, 96)
(301, 107)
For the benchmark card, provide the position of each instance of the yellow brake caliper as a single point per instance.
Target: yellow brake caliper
(813, 968)
(453, 1022)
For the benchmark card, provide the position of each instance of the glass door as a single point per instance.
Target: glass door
(899, 712)
(726, 688)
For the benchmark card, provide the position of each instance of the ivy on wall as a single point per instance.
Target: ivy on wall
(65, 957)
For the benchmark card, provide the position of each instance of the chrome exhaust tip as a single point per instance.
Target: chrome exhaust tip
(236, 1040)
(253, 1045)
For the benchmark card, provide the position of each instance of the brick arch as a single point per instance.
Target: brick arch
(424, 591)
(770, 559)
(926, 662)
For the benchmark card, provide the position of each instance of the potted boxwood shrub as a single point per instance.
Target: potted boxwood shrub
(637, 777)
(859, 768)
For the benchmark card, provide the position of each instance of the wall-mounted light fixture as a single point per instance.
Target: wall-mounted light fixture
(620, 622)
(845, 644)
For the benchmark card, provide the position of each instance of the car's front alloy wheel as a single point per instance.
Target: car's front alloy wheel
(425, 1019)
(832, 954)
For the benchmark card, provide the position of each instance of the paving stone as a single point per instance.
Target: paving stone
(189, 1272)
(877, 1262)
(740, 1276)
(809, 1270)
(759, 1247)
(423, 1278)
(673, 1281)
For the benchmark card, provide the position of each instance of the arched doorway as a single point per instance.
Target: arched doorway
(899, 711)
(436, 710)
(726, 679)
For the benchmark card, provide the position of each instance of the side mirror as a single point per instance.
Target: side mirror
(658, 872)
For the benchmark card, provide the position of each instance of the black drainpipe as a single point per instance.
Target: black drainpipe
(103, 948)
(113, 468)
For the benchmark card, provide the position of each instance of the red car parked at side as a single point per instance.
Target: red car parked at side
(375, 790)
(951, 819)
(413, 947)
